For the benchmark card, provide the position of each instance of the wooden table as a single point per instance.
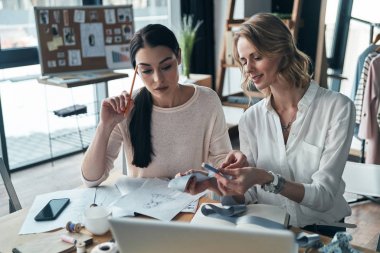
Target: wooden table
(10, 226)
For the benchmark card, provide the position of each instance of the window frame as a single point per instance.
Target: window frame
(341, 30)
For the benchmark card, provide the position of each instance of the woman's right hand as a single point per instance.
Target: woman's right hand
(113, 108)
(235, 159)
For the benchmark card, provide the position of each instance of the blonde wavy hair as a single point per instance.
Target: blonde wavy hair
(271, 37)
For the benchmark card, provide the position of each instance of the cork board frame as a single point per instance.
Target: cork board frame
(84, 38)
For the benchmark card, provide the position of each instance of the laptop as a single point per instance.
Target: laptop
(146, 235)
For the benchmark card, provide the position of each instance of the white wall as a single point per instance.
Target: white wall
(243, 8)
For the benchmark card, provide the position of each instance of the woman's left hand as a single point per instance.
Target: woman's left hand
(194, 187)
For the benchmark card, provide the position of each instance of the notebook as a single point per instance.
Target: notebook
(147, 235)
(260, 216)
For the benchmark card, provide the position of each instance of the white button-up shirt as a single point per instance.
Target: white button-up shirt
(314, 155)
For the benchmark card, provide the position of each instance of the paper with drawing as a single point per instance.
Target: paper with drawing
(128, 184)
(156, 200)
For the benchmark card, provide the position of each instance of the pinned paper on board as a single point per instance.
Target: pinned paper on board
(117, 56)
(44, 17)
(57, 16)
(79, 16)
(93, 16)
(51, 64)
(110, 17)
(69, 36)
(92, 39)
(127, 32)
(124, 15)
(74, 58)
(66, 20)
(55, 43)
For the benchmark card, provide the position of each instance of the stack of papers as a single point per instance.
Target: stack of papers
(62, 80)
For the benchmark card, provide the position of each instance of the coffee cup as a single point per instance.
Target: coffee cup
(96, 219)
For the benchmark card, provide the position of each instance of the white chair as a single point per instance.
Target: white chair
(363, 179)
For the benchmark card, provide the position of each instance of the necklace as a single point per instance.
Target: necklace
(286, 128)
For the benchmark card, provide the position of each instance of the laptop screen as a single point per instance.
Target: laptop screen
(147, 235)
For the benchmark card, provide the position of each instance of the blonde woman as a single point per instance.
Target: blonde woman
(296, 140)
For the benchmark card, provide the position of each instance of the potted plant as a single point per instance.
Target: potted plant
(187, 38)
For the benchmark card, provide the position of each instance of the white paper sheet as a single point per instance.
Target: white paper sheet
(156, 200)
(80, 199)
(128, 184)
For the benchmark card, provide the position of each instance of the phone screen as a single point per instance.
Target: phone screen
(52, 209)
(212, 169)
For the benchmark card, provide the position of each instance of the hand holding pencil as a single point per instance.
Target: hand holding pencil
(115, 109)
(130, 92)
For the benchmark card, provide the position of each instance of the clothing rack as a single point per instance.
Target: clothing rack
(371, 32)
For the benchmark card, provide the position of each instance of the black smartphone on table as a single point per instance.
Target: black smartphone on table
(52, 209)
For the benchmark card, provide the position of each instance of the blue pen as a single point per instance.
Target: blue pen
(214, 170)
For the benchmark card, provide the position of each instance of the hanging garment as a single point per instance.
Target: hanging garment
(378, 116)
(369, 128)
(361, 87)
(359, 68)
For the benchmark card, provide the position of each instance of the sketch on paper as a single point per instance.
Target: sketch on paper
(156, 200)
(153, 198)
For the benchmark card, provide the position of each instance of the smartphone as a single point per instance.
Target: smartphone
(52, 209)
(208, 167)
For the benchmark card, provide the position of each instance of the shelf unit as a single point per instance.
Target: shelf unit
(293, 23)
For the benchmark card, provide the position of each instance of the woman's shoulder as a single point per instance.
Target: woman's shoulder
(255, 110)
(330, 97)
(257, 107)
(207, 94)
(206, 91)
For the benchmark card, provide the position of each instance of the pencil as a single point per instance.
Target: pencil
(130, 92)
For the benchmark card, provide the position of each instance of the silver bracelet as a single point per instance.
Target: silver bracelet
(276, 186)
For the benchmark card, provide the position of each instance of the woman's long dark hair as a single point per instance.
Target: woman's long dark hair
(140, 126)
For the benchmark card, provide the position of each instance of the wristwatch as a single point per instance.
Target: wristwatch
(276, 185)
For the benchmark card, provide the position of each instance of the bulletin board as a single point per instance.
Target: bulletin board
(84, 38)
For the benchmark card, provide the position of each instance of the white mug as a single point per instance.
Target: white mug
(96, 220)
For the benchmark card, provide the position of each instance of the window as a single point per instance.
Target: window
(359, 38)
(146, 11)
(17, 25)
(27, 106)
(330, 21)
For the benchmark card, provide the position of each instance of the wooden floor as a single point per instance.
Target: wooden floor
(366, 215)
(65, 174)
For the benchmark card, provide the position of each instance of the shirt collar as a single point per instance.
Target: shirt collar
(305, 101)
(309, 96)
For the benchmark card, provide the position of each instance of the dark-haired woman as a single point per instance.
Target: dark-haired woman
(170, 127)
